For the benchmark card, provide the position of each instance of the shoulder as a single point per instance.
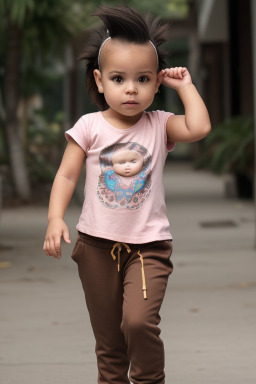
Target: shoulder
(85, 120)
(84, 130)
(159, 116)
(88, 117)
(88, 123)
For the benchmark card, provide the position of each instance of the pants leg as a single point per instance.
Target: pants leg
(103, 288)
(141, 317)
(124, 324)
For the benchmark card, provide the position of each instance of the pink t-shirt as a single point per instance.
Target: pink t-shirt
(124, 193)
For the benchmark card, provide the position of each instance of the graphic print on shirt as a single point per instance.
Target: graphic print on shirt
(125, 179)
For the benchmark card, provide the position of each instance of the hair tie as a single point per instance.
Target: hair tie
(102, 45)
(153, 45)
(104, 42)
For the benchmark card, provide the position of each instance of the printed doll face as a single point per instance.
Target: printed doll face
(127, 163)
(128, 77)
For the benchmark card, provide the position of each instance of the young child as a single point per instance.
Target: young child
(124, 213)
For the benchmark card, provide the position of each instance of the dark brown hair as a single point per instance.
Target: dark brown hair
(126, 24)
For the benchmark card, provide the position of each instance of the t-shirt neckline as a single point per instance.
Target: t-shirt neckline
(131, 128)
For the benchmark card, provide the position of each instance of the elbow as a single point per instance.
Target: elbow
(200, 133)
(207, 129)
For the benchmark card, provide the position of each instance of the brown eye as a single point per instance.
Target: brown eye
(143, 79)
(118, 79)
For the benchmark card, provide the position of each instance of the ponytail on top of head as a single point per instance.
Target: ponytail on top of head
(125, 24)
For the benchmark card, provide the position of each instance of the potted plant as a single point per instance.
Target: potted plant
(230, 149)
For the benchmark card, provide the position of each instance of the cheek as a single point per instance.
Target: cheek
(136, 168)
(110, 87)
(118, 168)
(148, 94)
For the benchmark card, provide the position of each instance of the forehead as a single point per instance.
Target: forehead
(119, 55)
(126, 155)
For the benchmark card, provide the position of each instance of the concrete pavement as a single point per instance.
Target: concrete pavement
(208, 316)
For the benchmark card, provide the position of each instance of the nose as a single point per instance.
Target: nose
(131, 88)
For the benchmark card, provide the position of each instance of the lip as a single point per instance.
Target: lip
(130, 102)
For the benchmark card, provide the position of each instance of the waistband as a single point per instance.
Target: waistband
(119, 246)
(101, 242)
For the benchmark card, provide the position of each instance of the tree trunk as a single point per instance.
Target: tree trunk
(16, 150)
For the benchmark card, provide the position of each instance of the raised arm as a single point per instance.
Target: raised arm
(195, 124)
(61, 193)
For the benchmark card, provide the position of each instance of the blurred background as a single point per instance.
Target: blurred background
(209, 313)
(43, 90)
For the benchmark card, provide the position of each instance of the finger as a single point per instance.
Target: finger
(180, 73)
(66, 236)
(184, 72)
(46, 248)
(57, 247)
(173, 72)
(170, 72)
(52, 248)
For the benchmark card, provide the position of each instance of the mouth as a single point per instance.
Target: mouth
(130, 102)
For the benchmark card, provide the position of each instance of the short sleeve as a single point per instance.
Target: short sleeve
(79, 133)
(164, 116)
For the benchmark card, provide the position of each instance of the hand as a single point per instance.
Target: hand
(56, 229)
(175, 78)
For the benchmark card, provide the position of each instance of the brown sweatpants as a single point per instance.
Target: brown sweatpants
(124, 286)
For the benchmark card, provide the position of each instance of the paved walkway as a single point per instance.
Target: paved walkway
(208, 316)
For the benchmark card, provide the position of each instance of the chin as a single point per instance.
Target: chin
(131, 113)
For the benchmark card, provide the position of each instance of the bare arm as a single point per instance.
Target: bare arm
(62, 190)
(195, 124)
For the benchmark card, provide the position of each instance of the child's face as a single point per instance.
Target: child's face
(127, 163)
(128, 76)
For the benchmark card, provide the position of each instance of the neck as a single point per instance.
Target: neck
(121, 121)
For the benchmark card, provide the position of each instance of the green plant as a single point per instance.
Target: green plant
(44, 146)
(230, 147)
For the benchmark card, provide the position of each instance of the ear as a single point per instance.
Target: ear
(159, 80)
(98, 80)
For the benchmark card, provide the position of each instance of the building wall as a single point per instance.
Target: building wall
(227, 65)
(241, 57)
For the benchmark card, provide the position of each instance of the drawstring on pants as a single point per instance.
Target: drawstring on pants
(119, 248)
(144, 288)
